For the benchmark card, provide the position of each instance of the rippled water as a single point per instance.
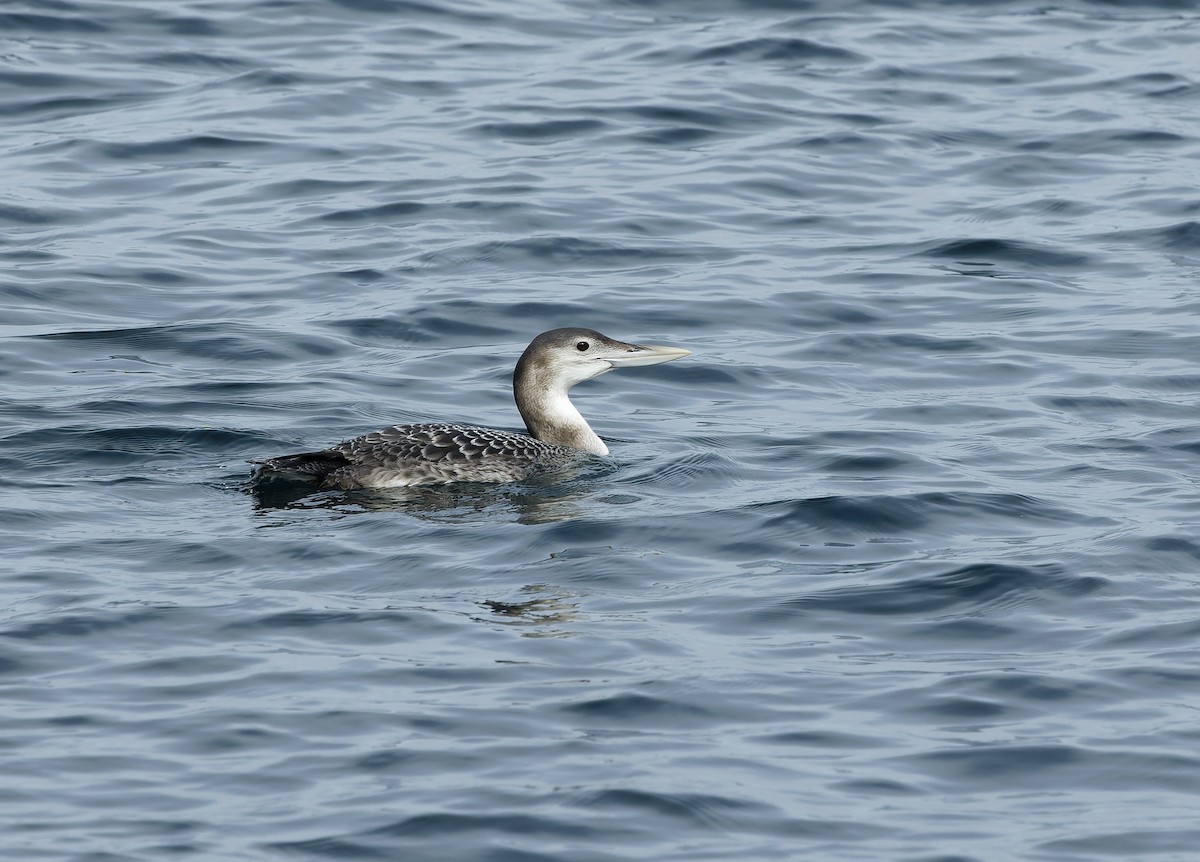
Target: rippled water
(902, 564)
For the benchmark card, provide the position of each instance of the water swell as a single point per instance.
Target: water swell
(979, 588)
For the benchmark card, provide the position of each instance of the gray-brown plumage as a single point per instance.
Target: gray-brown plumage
(436, 453)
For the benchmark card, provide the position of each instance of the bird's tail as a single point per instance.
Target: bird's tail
(305, 466)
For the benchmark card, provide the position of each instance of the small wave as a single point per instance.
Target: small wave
(775, 49)
(639, 709)
(242, 343)
(877, 514)
(14, 214)
(86, 449)
(445, 829)
(184, 147)
(1126, 844)
(702, 810)
(974, 588)
(15, 22)
(1181, 236)
(567, 253)
(1007, 251)
(399, 210)
(1062, 767)
(545, 131)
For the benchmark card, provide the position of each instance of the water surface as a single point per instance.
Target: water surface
(901, 564)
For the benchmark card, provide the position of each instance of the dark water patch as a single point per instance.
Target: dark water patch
(838, 142)
(310, 187)
(407, 212)
(547, 131)
(621, 709)
(1175, 545)
(77, 625)
(418, 9)
(1118, 342)
(389, 331)
(14, 22)
(847, 437)
(232, 741)
(44, 80)
(1039, 256)
(1069, 211)
(677, 115)
(679, 136)
(134, 554)
(330, 848)
(998, 71)
(1143, 83)
(448, 324)
(1182, 236)
(271, 80)
(359, 627)
(870, 464)
(567, 253)
(1007, 422)
(196, 60)
(823, 740)
(24, 255)
(502, 823)
(83, 448)
(183, 147)
(13, 214)
(1165, 680)
(723, 813)
(1107, 141)
(876, 788)
(361, 276)
(775, 50)
(697, 809)
(1191, 447)
(1107, 408)
(11, 663)
(809, 310)
(196, 664)
(963, 138)
(964, 710)
(885, 514)
(1166, 383)
(1061, 767)
(696, 470)
(1037, 171)
(188, 25)
(708, 8)
(400, 210)
(911, 341)
(1128, 844)
(1182, 91)
(967, 631)
(1010, 692)
(232, 342)
(977, 588)
(909, 97)
(1160, 635)
(730, 380)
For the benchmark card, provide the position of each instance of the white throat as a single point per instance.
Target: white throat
(551, 417)
(569, 426)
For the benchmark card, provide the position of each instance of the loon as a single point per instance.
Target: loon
(439, 453)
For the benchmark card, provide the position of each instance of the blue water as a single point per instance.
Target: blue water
(902, 564)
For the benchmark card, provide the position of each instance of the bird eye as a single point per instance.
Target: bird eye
(582, 346)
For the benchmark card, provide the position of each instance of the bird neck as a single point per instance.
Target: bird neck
(549, 414)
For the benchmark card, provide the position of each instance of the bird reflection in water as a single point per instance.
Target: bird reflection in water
(527, 504)
(550, 607)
